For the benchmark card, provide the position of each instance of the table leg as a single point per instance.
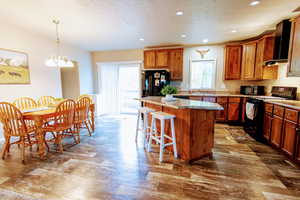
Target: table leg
(40, 137)
(93, 118)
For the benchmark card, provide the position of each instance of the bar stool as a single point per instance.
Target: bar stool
(145, 128)
(162, 116)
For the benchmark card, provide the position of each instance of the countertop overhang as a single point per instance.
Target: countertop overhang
(182, 103)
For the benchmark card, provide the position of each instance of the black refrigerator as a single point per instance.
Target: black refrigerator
(153, 81)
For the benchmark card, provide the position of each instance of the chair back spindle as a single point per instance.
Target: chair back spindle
(24, 103)
(46, 101)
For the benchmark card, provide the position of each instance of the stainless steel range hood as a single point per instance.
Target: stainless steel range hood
(282, 43)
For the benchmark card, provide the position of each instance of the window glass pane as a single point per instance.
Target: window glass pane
(202, 74)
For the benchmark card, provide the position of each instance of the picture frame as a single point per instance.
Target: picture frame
(14, 67)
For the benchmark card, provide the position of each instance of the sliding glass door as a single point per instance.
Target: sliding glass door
(119, 84)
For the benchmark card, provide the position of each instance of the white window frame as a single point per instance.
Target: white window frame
(214, 73)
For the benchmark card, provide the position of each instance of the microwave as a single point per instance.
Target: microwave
(252, 90)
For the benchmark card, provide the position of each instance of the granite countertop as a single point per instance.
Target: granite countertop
(215, 94)
(182, 103)
(294, 104)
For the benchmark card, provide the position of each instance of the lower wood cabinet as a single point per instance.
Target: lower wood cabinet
(297, 149)
(267, 125)
(276, 131)
(289, 137)
(222, 114)
(233, 112)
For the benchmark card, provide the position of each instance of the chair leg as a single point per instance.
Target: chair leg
(59, 142)
(145, 128)
(88, 128)
(137, 127)
(162, 140)
(23, 150)
(29, 141)
(5, 147)
(46, 144)
(173, 138)
(151, 134)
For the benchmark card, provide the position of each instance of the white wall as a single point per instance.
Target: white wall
(44, 80)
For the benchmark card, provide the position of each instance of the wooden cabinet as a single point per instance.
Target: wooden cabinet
(162, 58)
(264, 52)
(267, 125)
(169, 59)
(276, 130)
(248, 61)
(289, 137)
(222, 114)
(233, 61)
(294, 58)
(297, 147)
(149, 59)
(176, 64)
(209, 99)
(234, 104)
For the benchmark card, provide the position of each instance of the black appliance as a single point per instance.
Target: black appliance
(153, 81)
(254, 112)
(282, 42)
(252, 90)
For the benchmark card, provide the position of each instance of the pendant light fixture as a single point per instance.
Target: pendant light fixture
(58, 60)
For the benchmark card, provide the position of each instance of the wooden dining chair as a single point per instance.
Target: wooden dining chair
(24, 103)
(15, 127)
(86, 95)
(90, 113)
(63, 121)
(82, 115)
(46, 101)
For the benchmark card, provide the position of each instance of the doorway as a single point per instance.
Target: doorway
(119, 85)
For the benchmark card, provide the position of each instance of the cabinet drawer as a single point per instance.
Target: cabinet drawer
(278, 110)
(222, 99)
(234, 99)
(291, 115)
(268, 107)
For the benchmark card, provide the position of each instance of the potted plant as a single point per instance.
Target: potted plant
(168, 91)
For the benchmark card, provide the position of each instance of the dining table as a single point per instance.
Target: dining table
(40, 115)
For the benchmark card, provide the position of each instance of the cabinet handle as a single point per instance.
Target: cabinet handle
(298, 130)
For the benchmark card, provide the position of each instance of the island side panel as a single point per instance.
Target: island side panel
(202, 133)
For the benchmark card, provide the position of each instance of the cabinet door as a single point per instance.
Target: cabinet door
(162, 58)
(233, 112)
(289, 137)
(267, 125)
(276, 131)
(248, 64)
(176, 64)
(233, 58)
(294, 68)
(149, 59)
(259, 63)
(222, 114)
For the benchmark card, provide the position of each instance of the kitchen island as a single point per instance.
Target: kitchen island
(194, 124)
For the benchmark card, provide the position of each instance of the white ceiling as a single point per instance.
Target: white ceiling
(118, 24)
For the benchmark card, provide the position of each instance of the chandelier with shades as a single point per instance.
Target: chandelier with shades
(58, 60)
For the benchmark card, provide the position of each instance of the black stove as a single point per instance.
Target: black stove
(254, 112)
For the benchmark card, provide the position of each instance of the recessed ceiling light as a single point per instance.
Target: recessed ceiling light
(254, 3)
(183, 35)
(233, 31)
(142, 39)
(179, 13)
(205, 40)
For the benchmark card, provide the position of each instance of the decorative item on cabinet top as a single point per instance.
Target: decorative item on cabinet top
(202, 52)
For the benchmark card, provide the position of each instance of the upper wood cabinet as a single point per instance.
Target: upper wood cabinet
(264, 52)
(248, 61)
(294, 58)
(170, 59)
(233, 60)
(176, 64)
(149, 59)
(162, 58)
